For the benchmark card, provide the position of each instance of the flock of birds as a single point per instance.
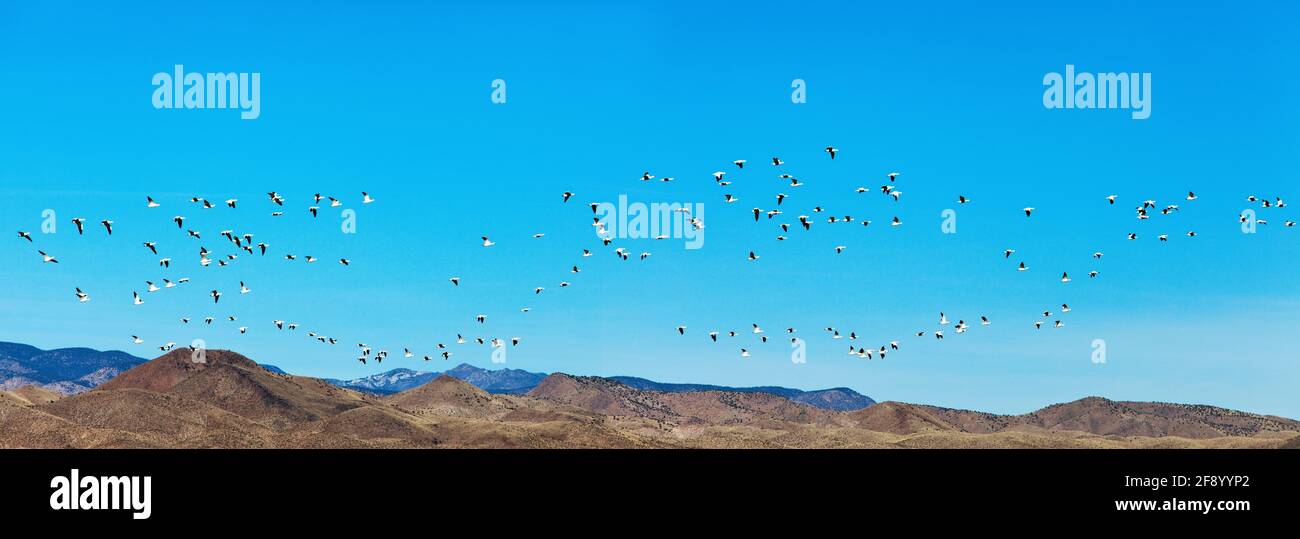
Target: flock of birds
(243, 244)
(890, 189)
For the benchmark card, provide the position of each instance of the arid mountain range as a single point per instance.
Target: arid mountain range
(232, 402)
(73, 370)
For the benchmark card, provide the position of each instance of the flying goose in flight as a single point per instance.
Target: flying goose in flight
(567, 195)
(744, 352)
(366, 198)
(314, 211)
(231, 202)
(487, 242)
(832, 151)
(108, 225)
(1028, 211)
(136, 340)
(136, 298)
(151, 287)
(1022, 267)
(892, 176)
(48, 259)
(25, 235)
(740, 163)
(216, 296)
(149, 202)
(753, 256)
(1065, 277)
(82, 296)
(151, 246)
(81, 225)
(481, 318)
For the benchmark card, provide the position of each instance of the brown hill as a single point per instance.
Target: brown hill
(899, 418)
(1154, 419)
(172, 420)
(604, 396)
(239, 385)
(31, 395)
(610, 398)
(174, 367)
(1092, 415)
(448, 396)
(23, 426)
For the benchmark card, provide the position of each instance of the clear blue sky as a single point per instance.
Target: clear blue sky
(393, 99)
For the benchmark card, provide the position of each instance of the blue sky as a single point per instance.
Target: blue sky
(394, 99)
